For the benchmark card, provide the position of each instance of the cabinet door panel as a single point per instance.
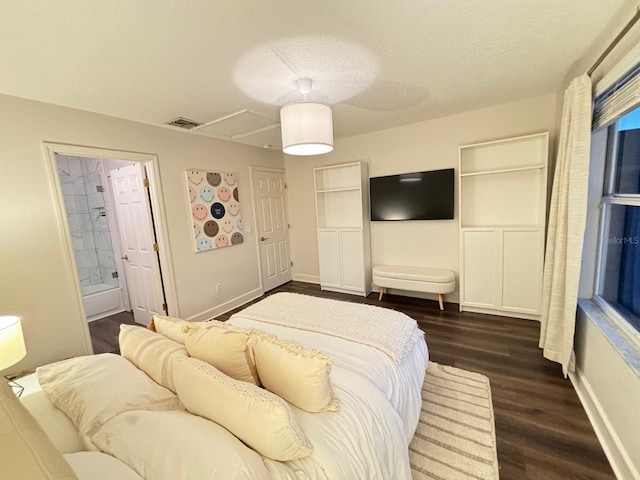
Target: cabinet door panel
(479, 267)
(521, 271)
(352, 266)
(329, 253)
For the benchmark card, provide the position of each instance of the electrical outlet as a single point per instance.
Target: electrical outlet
(219, 287)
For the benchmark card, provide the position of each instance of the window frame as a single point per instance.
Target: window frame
(608, 199)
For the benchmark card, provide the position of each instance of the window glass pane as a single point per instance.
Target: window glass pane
(628, 168)
(621, 281)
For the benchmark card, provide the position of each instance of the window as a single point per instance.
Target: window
(619, 266)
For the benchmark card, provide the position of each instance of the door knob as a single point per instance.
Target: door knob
(262, 239)
(126, 257)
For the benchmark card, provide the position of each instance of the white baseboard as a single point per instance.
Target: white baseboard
(226, 306)
(301, 277)
(613, 448)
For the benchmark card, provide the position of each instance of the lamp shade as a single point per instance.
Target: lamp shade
(12, 348)
(307, 128)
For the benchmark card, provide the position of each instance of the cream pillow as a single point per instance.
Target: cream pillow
(91, 390)
(171, 327)
(225, 347)
(178, 446)
(150, 352)
(299, 375)
(257, 417)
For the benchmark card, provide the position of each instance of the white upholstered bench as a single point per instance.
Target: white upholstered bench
(416, 279)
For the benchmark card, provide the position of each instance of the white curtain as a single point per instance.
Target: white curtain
(565, 233)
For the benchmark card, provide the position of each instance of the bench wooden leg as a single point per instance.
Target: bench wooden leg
(382, 289)
(441, 300)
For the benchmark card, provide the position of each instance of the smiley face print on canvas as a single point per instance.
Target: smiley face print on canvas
(214, 208)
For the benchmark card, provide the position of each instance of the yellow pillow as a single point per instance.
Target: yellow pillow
(171, 327)
(257, 417)
(150, 352)
(299, 375)
(224, 347)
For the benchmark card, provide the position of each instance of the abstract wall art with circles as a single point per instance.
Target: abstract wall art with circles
(215, 209)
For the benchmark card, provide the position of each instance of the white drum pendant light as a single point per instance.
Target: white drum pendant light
(307, 127)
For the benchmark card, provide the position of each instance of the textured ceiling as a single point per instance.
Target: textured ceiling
(379, 63)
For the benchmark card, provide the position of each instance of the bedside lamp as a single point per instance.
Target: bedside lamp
(12, 348)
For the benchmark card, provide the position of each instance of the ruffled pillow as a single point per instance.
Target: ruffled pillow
(225, 347)
(257, 417)
(171, 327)
(150, 352)
(299, 375)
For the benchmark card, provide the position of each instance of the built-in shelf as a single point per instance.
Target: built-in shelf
(343, 227)
(505, 170)
(502, 209)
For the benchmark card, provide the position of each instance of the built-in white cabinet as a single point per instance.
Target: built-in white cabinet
(342, 210)
(502, 202)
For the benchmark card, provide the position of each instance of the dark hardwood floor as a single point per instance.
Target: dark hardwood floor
(104, 332)
(542, 431)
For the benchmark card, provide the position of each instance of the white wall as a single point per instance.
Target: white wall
(428, 145)
(37, 284)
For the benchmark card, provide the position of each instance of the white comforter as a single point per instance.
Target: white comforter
(380, 402)
(379, 408)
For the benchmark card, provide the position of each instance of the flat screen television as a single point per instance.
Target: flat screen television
(412, 196)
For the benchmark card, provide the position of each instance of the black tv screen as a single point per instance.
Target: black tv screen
(412, 196)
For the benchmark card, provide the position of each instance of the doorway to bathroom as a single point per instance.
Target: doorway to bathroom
(108, 207)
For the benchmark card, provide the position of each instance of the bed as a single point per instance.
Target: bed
(378, 359)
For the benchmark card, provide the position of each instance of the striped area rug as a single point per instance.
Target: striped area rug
(455, 438)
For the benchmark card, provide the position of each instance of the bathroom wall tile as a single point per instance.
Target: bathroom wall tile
(105, 259)
(63, 165)
(72, 185)
(85, 222)
(107, 277)
(91, 165)
(74, 223)
(100, 223)
(76, 240)
(85, 279)
(70, 203)
(102, 240)
(96, 200)
(82, 206)
(75, 167)
(92, 181)
(94, 275)
(78, 185)
(88, 240)
(86, 259)
(69, 184)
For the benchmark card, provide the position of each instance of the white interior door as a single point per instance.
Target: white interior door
(270, 204)
(141, 263)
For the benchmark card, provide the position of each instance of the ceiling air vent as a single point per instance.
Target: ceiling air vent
(185, 123)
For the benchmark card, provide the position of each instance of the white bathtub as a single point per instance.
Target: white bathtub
(101, 300)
